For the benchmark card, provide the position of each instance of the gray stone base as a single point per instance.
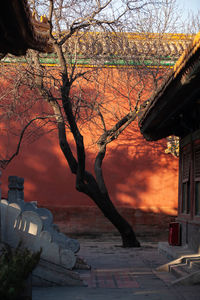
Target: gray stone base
(173, 252)
(50, 274)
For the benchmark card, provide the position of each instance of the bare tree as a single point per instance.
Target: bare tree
(192, 24)
(71, 105)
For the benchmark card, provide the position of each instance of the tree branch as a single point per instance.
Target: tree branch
(5, 162)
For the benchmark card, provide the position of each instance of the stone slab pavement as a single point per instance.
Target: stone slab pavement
(120, 273)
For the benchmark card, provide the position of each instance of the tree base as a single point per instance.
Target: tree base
(130, 240)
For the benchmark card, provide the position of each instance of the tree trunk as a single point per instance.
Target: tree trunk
(97, 191)
(107, 207)
(86, 182)
(102, 200)
(110, 212)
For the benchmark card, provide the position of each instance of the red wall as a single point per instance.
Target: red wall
(141, 178)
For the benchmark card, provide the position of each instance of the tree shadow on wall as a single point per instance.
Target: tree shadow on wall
(129, 166)
(135, 169)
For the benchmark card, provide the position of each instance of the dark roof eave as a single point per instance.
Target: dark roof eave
(156, 121)
(17, 31)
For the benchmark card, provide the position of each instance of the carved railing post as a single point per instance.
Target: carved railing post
(0, 208)
(20, 186)
(0, 185)
(16, 188)
(34, 227)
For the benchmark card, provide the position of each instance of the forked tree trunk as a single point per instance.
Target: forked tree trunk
(86, 183)
(96, 190)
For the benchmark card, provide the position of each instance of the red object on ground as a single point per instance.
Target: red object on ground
(174, 234)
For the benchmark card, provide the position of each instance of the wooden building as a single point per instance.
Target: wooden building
(20, 31)
(175, 110)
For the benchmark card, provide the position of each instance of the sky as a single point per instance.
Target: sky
(186, 5)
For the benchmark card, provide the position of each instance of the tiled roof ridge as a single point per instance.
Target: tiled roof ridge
(142, 35)
(129, 44)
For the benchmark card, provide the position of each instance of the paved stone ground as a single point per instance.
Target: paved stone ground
(119, 273)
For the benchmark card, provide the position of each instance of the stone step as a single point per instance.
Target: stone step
(167, 277)
(180, 270)
(189, 279)
(187, 266)
(180, 275)
(187, 272)
(193, 263)
(187, 259)
(51, 274)
(186, 269)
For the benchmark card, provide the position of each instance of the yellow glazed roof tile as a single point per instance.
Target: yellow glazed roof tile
(188, 52)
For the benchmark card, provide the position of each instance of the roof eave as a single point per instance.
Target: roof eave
(161, 117)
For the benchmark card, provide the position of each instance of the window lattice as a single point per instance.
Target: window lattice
(197, 163)
(186, 166)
